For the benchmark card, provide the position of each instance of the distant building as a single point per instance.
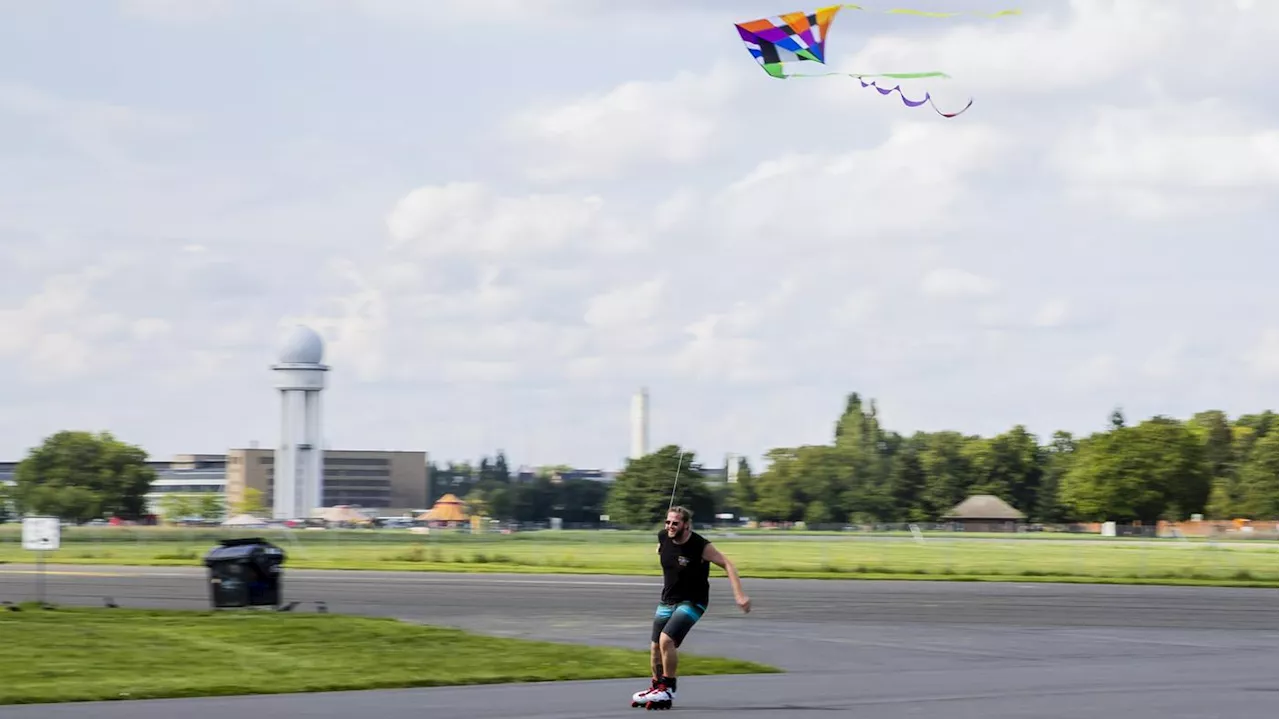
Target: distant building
(640, 423)
(386, 480)
(595, 475)
(300, 379)
(985, 513)
(190, 474)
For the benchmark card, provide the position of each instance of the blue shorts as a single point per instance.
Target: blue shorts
(675, 620)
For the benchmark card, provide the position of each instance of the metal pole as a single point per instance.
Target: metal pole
(40, 577)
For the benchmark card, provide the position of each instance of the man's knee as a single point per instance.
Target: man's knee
(667, 642)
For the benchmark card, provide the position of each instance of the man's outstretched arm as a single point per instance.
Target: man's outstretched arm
(713, 555)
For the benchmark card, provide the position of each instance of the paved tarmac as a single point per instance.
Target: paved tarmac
(865, 649)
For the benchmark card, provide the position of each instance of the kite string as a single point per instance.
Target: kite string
(926, 13)
(672, 503)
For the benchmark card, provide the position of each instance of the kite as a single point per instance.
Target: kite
(802, 37)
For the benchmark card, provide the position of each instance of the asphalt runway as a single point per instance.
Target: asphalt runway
(868, 649)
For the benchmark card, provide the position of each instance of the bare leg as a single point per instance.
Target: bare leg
(670, 658)
(655, 659)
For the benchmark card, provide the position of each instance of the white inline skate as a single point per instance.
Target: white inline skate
(657, 696)
(638, 699)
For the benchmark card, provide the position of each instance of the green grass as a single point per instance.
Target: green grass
(72, 654)
(940, 556)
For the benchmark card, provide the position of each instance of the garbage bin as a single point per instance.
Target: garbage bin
(244, 573)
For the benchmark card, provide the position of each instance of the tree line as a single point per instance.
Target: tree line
(1159, 468)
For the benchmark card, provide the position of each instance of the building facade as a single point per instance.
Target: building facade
(193, 475)
(388, 480)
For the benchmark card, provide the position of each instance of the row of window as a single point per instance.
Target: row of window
(341, 461)
(186, 488)
(346, 481)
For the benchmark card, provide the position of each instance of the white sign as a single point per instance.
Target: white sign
(41, 534)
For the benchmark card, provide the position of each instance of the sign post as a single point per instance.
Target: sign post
(40, 535)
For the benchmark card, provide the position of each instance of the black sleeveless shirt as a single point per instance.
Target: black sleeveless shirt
(684, 571)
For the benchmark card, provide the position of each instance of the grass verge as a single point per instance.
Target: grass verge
(937, 558)
(83, 654)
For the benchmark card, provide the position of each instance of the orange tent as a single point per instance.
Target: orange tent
(446, 509)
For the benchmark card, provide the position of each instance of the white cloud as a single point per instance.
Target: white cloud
(145, 328)
(1168, 160)
(951, 283)
(855, 307)
(1164, 361)
(463, 218)
(469, 219)
(392, 12)
(1100, 41)
(178, 11)
(912, 182)
(101, 131)
(1094, 372)
(714, 352)
(357, 335)
(45, 328)
(1052, 313)
(636, 124)
(634, 209)
(1263, 358)
(625, 305)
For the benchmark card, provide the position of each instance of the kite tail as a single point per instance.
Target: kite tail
(890, 75)
(913, 103)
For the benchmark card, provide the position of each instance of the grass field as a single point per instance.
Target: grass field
(102, 654)
(938, 556)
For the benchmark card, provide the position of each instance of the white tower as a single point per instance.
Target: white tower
(299, 462)
(640, 423)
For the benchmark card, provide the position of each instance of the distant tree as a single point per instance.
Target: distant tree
(948, 471)
(778, 489)
(1008, 466)
(477, 504)
(744, 489)
(1150, 471)
(500, 471)
(907, 480)
(251, 503)
(582, 500)
(641, 493)
(211, 506)
(174, 507)
(1058, 456)
(1260, 480)
(433, 476)
(80, 476)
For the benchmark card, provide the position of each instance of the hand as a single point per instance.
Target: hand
(744, 603)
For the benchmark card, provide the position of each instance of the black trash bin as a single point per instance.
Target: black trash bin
(245, 573)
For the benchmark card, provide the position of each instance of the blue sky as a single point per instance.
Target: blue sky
(506, 216)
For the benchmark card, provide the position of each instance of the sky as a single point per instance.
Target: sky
(506, 216)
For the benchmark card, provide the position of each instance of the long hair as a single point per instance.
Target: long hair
(685, 515)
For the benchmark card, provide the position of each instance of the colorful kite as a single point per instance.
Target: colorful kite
(802, 37)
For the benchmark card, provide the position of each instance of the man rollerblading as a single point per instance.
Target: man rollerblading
(686, 558)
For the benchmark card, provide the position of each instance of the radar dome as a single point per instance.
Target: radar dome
(302, 346)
